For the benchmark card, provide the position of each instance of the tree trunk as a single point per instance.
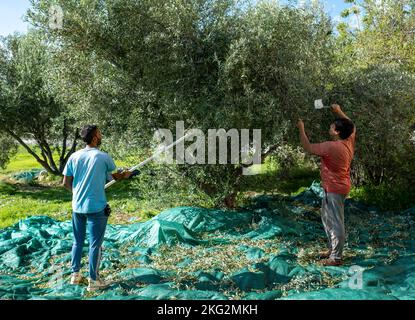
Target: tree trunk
(230, 201)
(64, 158)
(43, 163)
(48, 162)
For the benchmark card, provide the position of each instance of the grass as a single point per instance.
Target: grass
(19, 201)
(273, 179)
(12, 210)
(21, 161)
(386, 197)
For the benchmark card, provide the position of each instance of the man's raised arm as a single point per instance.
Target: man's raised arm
(303, 137)
(335, 108)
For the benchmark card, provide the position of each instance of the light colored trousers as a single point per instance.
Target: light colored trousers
(332, 215)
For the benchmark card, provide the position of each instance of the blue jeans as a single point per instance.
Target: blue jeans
(97, 223)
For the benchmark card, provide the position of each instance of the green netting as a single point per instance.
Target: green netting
(268, 250)
(27, 176)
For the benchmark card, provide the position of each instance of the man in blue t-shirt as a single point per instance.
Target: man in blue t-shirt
(85, 174)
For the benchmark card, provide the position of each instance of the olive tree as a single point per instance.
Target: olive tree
(141, 65)
(30, 114)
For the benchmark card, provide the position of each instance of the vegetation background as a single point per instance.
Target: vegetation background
(134, 66)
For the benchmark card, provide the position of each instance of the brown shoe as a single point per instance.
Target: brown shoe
(331, 262)
(325, 254)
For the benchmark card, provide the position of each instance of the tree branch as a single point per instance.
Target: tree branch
(49, 154)
(268, 152)
(31, 152)
(65, 137)
(73, 148)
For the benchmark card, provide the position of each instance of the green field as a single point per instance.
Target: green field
(21, 161)
(49, 198)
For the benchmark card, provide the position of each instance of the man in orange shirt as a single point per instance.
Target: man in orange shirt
(336, 157)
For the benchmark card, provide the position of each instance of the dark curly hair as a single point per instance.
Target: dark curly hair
(88, 133)
(345, 127)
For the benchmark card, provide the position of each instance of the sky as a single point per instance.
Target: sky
(11, 16)
(12, 12)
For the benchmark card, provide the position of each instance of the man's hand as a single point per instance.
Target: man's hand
(67, 182)
(335, 108)
(122, 175)
(126, 174)
(300, 124)
(303, 137)
(338, 111)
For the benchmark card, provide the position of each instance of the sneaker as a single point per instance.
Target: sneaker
(99, 284)
(331, 262)
(325, 254)
(76, 278)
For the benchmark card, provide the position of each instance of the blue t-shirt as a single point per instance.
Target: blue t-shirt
(89, 168)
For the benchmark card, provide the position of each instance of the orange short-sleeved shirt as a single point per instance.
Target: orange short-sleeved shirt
(336, 158)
